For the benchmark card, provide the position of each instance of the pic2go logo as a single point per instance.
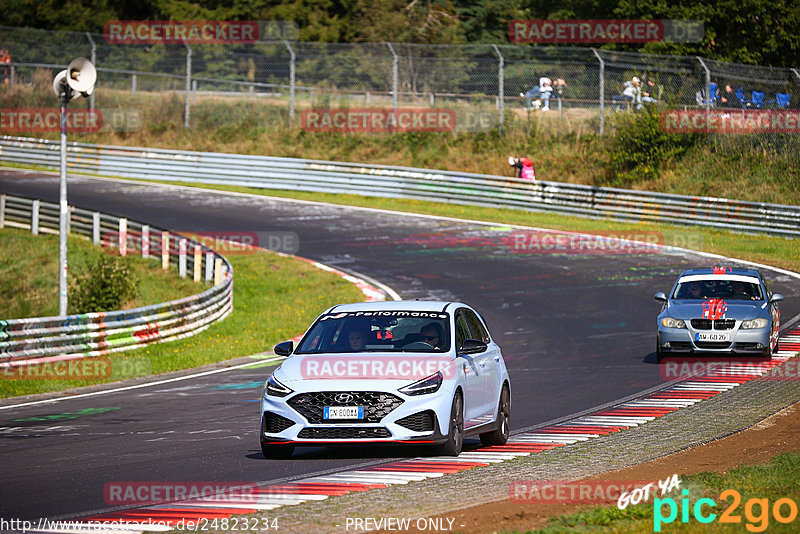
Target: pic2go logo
(756, 511)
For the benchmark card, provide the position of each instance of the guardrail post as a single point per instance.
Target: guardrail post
(96, 228)
(187, 105)
(2, 211)
(500, 90)
(198, 263)
(94, 62)
(291, 83)
(394, 77)
(165, 250)
(123, 236)
(182, 257)
(602, 91)
(217, 271)
(35, 218)
(209, 266)
(133, 85)
(145, 240)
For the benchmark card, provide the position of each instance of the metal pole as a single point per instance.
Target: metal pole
(394, 76)
(133, 85)
(602, 90)
(793, 70)
(500, 88)
(708, 94)
(63, 209)
(94, 62)
(188, 85)
(291, 83)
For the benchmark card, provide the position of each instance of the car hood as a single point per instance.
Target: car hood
(734, 309)
(337, 367)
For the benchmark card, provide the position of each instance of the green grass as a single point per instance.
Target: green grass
(275, 298)
(772, 481)
(29, 274)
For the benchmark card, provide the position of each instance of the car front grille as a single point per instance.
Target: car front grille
(344, 433)
(275, 424)
(708, 324)
(377, 405)
(418, 422)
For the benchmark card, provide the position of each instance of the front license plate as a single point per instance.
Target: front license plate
(343, 412)
(712, 336)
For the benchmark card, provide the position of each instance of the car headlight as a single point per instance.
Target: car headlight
(276, 389)
(669, 322)
(753, 324)
(430, 384)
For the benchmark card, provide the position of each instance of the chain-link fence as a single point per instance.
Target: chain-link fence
(484, 86)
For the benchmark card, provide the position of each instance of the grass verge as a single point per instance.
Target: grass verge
(275, 298)
(759, 487)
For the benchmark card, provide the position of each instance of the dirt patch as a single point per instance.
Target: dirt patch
(758, 444)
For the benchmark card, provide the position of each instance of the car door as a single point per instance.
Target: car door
(488, 365)
(473, 377)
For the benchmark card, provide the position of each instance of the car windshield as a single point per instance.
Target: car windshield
(729, 289)
(373, 331)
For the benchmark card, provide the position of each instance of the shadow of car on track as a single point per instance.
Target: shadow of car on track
(361, 452)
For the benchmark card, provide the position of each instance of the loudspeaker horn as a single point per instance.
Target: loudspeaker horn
(81, 76)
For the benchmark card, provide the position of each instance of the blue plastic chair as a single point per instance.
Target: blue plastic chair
(700, 96)
(782, 99)
(757, 99)
(742, 100)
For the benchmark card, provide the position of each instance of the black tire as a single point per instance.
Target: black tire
(277, 452)
(499, 436)
(455, 430)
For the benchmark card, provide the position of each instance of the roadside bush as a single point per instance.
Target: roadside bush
(641, 147)
(105, 286)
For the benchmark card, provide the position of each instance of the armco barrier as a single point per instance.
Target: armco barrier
(406, 182)
(43, 339)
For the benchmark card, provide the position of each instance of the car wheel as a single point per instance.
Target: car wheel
(455, 431)
(499, 436)
(276, 452)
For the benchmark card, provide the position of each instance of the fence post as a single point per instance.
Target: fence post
(394, 77)
(94, 62)
(182, 257)
(707, 94)
(133, 85)
(217, 271)
(123, 237)
(198, 263)
(187, 107)
(13, 75)
(602, 91)
(165, 250)
(500, 82)
(291, 82)
(2, 210)
(793, 70)
(145, 240)
(35, 217)
(96, 228)
(209, 266)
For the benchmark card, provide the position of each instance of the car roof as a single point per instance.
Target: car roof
(721, 270)
(385, 305)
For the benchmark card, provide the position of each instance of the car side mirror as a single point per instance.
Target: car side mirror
(472, 346)
(660, 296)
(285, 348)
(777, 297)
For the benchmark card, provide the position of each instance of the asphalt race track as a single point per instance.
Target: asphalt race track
(576, 330)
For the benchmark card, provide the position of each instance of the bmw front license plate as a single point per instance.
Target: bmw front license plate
(712, 336)
(343, 412)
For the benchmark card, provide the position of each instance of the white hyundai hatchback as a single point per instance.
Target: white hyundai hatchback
(405, 372)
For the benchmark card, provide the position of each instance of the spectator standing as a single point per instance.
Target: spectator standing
(5, 70)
